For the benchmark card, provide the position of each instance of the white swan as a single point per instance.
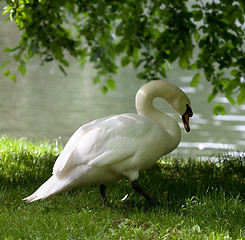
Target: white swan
(107, 149)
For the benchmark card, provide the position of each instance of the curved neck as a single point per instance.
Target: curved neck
(144, 105)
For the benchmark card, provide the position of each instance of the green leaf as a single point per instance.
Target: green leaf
(62, 70)
(240, 99)
(22, 69)
(230, 99)
(242, 90)
(8, 50)
(125, 61)
(225, 82)
(211, 97)
(238, 14)
(193, 66)
(197, 15)
(195, 80)
(241, 96)
(104, 89)
(196, 36)
(229, 45)
(5, 63)
(6, 9)
(141, 75)
(240, 17)
(219, 109)
(96, 79)
(163, 72)
(12, 77)
(6, 72)
(196, 6)
(234, 72)
(120, 47)
(139, 63)
(64, 62)
(111, 83)
(183, 62)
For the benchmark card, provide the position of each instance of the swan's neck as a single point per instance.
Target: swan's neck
(145, 108)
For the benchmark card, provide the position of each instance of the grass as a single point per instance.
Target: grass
(201, 200)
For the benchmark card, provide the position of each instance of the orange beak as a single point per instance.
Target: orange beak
(185, 120)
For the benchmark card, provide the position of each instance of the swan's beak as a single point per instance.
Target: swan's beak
(185, 118)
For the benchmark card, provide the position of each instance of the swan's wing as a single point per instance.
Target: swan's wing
(103, 143)
(72, 144)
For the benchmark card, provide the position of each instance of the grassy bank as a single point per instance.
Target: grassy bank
(201, 200)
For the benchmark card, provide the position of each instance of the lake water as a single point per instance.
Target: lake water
(46, 104)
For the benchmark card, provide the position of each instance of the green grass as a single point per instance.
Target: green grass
(201, 200)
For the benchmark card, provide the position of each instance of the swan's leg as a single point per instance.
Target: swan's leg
(102, 188)
(147, 196)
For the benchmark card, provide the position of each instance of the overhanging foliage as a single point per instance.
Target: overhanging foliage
(147, 34)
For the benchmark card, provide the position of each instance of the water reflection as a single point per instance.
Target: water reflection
(240, 128)
(229, 118)
(207, 145)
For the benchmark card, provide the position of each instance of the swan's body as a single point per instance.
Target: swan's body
(107, 149)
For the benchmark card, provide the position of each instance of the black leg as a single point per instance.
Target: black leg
(102, 194)
(147, 196)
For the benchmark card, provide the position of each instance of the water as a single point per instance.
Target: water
(46, 104)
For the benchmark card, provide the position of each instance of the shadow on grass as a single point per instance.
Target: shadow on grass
(171, 181)
(175, 180)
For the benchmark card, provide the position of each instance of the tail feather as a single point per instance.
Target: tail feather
(51, 187)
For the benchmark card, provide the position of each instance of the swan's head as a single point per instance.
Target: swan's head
(182, 105)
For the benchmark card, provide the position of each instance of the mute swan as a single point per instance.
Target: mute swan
(107, 149)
